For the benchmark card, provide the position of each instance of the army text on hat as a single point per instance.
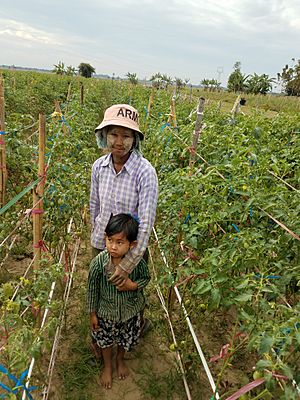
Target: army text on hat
(126, 113)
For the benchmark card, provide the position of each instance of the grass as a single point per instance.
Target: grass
(154, 374)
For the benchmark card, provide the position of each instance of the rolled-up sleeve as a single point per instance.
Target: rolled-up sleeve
(148, 195)
(94, 194)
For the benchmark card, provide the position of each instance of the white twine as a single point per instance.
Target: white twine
(46, 390)
(161, 298)
(196, 341)
(294, 383)
(44, 317)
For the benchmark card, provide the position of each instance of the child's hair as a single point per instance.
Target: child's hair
(124, 223)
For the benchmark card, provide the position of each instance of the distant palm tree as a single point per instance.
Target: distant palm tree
(259, 84)
(237, 80)
(70, 71)
(86, 70)
(59, 68)
(132, 77)
(205, 82)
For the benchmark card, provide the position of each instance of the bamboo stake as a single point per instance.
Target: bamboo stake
(236, 107)
(172, 116)
(191, 93)
(68, 96)
(3, 170)
(196, 133)
(69, 92)
(58, 110)
(151, 99)
(150, 102)
(38, 193)
(14, 84)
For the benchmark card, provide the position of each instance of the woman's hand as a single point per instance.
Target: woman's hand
(128, 284)
(119, 276)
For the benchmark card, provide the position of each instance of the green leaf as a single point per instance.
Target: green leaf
(244, 297)
(243, 284)
(287, 371)
(266, 344)
(262, 364)
(215, 298)
(202, 287)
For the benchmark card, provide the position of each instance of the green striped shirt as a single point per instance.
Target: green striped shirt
(104, 298)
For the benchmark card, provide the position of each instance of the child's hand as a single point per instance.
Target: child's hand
(94, 324)
(128, 284)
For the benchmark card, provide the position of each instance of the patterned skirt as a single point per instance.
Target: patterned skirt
(124, 334)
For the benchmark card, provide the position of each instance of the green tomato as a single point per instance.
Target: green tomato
(7, 290)
(257, 375)
(173, 347)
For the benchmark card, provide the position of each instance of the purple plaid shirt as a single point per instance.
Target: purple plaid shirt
(133, 190)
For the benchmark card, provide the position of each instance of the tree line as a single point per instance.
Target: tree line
(238, 82)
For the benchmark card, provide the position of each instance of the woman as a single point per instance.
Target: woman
(123, 181)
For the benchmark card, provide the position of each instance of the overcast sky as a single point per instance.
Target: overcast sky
(193, 39)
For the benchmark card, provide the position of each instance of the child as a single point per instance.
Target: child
(115, 311)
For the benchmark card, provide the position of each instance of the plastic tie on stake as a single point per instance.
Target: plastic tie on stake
(18, 383)
(164, 126)
(36, 211)
(43, 177)
(236, 228)
(259, 276)
(41, 245)
(64, 121)
(188, 217)
(3, 133)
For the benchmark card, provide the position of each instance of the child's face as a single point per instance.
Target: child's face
(117, 245)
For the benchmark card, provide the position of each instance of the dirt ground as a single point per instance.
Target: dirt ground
(153, 370)
(154, 373)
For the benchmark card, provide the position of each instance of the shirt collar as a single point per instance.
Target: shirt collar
(129, 166)
(106, 160)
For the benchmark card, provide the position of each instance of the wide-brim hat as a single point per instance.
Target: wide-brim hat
(121, 115)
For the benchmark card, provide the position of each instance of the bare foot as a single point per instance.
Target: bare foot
(122, 369)
(106, 377)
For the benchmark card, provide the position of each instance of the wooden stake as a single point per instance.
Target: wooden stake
(3, 170)
(151, 99)
(69, 92)
(81, 94)
(196, 133)
(191, 93)
(14, 84)
(38, 193)
(65, 129)
(172, 117)
(150, 102)
(236, 107)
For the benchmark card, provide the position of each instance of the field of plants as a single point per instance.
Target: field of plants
(225, 250)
